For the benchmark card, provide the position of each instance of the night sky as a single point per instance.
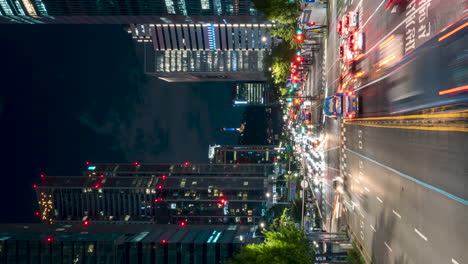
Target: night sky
(71, 93)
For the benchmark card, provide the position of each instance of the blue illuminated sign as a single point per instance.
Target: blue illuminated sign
(211, 36)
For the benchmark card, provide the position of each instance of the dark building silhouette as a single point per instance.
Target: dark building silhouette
(243, 154)
(120, 244)
(127, 11)
(159, 193)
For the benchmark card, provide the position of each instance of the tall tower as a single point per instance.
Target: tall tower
(159, 193)
(127, 11)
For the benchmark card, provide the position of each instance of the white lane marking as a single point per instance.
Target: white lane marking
(375, 11)
(389, 248)
(367, 189)
(420, 234)
(396, 214)
(380, 200)
(372, 228)
(455, 262)
(344, 138)
(393, 30)
(342, 150)
(345, 165)
(345, 155)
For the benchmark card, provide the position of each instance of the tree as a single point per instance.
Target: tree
(354, 256)
(284, 244)
(278, 10)
(296, 210)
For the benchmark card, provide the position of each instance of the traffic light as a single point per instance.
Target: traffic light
(296, 101)
(289, 99)
(298, 52)
(295, 78)
(299, 37)
(294, 86)
(298, 59)
(311, 23)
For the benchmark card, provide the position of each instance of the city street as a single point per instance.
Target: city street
(402, 175)
(405, 193)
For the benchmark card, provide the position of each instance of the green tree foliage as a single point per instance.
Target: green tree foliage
(280, 70)
(296, 210)
(354, 256)
(279, 11)
(287, 32)
(284, 244)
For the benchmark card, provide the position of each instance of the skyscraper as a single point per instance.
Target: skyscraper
(204, 65)
(127, 11)
(258, 93)
(120, 244)
(204, 36)
(159, 193)
(242, 154)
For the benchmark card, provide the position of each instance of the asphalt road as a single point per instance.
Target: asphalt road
(409, 193)
(405, 196)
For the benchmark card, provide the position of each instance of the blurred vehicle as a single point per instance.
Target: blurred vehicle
(341, 105)
(356, 42)
(351, 20)
(394, 3)
(346, 56)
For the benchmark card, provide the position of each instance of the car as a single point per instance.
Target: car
(346, 55)
(341, 105)
(356, 42)
(351, 20)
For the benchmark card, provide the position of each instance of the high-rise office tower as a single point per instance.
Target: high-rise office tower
(204, 36)
(257, 93)
(242, 154)
(159, 193)
(120, 244)
(127, 11)
(204, 65)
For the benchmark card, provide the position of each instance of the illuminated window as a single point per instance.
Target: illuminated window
(205, 4)
(170, 6)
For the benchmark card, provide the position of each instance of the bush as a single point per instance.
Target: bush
(354, 256)
(284, 244)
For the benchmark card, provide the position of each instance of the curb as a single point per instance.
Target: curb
(360, 247)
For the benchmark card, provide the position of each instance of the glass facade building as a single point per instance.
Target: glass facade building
(242, 154)
(253, 93)
(127, 11)
(159, 193)
(204, 36)
(120, 244)
(204, 65)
